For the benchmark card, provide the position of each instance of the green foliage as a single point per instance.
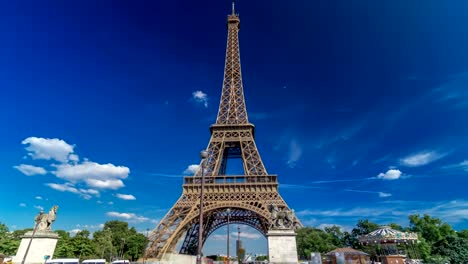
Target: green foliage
(316, 240)
(463, 233)
(431, 229)
(453, 247)
(261, 258)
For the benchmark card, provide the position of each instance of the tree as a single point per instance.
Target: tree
(453, 247)
(64, 248)
(463, 233)
(82, 245)
(364, 227)
(103, 246)
(135, 245)
(431, 229)
(315, 240)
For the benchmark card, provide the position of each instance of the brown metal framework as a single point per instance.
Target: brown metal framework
(249, 196)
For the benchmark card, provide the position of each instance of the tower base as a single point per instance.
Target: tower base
(43, 244)
(282, 246)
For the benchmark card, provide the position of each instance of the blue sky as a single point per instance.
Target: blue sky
(360, 107)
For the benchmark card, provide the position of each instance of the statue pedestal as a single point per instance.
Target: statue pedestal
(282, 246)
(42, 244)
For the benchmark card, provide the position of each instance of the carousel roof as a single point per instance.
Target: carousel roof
(385, 234)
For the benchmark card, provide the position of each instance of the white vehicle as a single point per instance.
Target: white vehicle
(63, 261)
(121, 261)
(94, 261)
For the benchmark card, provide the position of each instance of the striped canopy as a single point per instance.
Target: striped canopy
(385, 235)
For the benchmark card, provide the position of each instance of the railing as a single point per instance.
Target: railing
(231, 179)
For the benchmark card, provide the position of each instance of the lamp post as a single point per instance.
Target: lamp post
(38, 220)
(228, 211)
(203, 156)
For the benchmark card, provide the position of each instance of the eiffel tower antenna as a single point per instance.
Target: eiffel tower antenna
(249, 195)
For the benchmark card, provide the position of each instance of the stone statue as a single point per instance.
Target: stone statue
(44, 221)
(281, 218)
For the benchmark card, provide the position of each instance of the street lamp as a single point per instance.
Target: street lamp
(38, 220)
(203, 156)
(228, 211)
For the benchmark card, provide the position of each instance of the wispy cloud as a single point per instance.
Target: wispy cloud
(68, 187)
(294, 153)
(462, 165)
(38, 197)
(421, 158)
(295, 186)
(131, 217)
(344, 180)
(30, 170)
(127, 197)
(381, 194)
(448, 211)
(200, 97)
(22, 205)
(38, 207)
(453, 93)
(248, 235)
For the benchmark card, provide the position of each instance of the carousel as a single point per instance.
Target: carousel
(393, 246)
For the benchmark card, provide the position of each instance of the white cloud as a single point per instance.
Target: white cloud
(30, 170)
(74, 231)
(125, 196)
(89, 169)
(38, 207)
(48, 148)
(294, 153)
(131, 217)
(383, 195)
(191, 169)
(105, 184)
(200, 97)
(38, 198)
(68, 187)
(84, 178)
(74, 158)
(392, 174)
(111, 203)
(454, 211)
(218, 237)
(354, 212)
(22, 205)
(246, 235)
(421, 158)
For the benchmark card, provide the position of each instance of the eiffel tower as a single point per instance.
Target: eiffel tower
(248, 196)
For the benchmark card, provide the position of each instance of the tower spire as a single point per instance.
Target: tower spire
(232, 106)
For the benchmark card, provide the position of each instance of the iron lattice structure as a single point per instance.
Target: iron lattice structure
(249, 196)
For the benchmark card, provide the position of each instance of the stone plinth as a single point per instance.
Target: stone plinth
(42, 244)
(282, 246)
